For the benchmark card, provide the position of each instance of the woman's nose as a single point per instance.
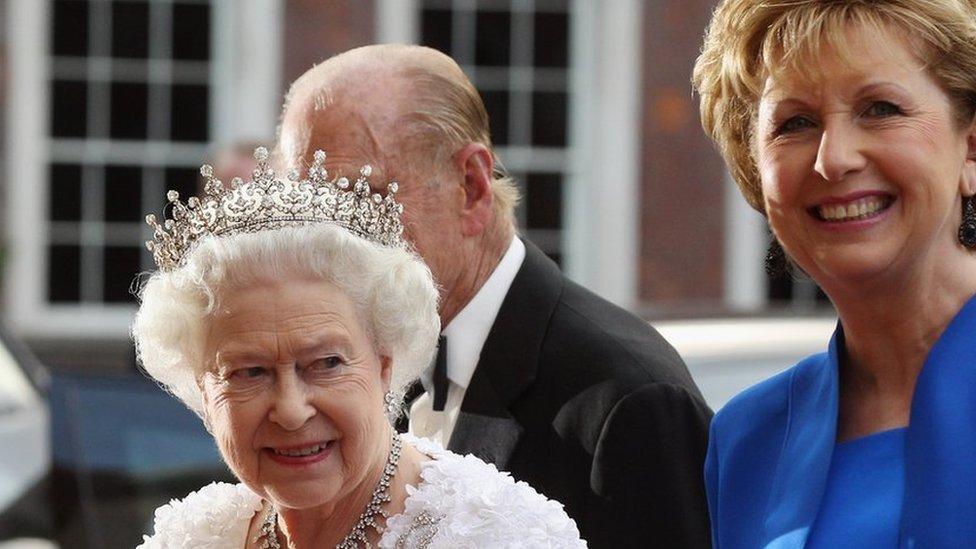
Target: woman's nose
(292, 405)
(839, 153)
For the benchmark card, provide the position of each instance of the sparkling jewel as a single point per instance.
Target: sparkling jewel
(267, 203)
(368, 518)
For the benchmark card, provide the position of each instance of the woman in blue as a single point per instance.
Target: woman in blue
(850, 126)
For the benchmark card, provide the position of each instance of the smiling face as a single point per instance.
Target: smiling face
(862, 166)
(294, 395)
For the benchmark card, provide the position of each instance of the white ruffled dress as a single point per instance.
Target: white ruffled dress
(461, 502)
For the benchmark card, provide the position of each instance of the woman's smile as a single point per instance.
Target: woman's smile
(852, 209)
(302, 454)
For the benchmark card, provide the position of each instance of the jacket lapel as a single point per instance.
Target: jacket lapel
(508, 363)
(804, 461)
(940, 454)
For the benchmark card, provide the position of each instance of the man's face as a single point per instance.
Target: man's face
(353, 134)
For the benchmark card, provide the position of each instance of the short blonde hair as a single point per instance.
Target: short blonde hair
(392, 289)
(748, 40)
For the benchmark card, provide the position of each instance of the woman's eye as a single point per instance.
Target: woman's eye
(880, 109)
(793, 125)
(326, 363)
(253, 372)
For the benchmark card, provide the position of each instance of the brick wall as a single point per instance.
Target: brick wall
(682, 206)
(316, 30)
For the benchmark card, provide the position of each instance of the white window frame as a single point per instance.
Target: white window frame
(601, 225)
(745, 283)
(244, 100)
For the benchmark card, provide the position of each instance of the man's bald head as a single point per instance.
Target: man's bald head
(399, 107)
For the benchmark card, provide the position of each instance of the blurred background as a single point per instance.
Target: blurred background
(109, 103)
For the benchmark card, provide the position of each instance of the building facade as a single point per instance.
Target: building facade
(109, 103)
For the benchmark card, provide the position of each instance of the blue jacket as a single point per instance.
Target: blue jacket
(771, 446)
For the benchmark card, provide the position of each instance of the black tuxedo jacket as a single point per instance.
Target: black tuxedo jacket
(592, 407)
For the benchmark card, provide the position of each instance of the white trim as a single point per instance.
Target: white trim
(397, 22)
(246, 67)
(745, 246)
(601, 221)
(26, 191)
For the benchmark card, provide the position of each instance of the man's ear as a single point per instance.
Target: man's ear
(967, 183)
(476, 163)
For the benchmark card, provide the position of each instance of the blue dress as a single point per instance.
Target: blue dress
(862, 500)
(771, 448)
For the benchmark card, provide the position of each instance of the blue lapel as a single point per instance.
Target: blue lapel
(940, 454)
(804, 461)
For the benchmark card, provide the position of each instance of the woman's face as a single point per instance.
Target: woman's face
(294, 394)
(862, 165)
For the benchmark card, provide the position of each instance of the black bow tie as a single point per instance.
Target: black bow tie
(439, 390)
(440, 375)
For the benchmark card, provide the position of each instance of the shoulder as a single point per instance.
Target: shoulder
(755, 419)
(476, 505)
(216, 516)
(626, 347)
(764, 406)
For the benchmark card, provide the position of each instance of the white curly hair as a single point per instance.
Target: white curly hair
(392, 289)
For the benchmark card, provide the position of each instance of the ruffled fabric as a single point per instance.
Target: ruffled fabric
(474, 504)
(479, 506)
(216, 516)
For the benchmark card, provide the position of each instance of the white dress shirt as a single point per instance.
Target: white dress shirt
(466, 335)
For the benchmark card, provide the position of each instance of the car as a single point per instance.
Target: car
(87, 457)
(726, 356)
(25, 455)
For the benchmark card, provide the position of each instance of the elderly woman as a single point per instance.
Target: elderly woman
(850, 126)
(290, 315)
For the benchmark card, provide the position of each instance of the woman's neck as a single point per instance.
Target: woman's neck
(889, 331)
(327, 525)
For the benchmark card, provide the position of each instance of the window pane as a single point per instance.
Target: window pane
(436, 29)
(64, 274)
(492, 38)
(130, 29)
(69, 28)
(65, 197)
(544, 201)
(69, 103)
(123, 193)
(191, 31)
(549, 119)
(184, 181)
(121, 267)
(130, 110)
(551, 40)
(189, 116)
(496, 103)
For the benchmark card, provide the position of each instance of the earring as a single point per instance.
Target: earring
(391, 404)
(775, 262)
(967, 231)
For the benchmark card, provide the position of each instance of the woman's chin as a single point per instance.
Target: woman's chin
(845, 265)
(296, 495)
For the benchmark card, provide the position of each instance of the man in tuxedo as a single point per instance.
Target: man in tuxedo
(577, 397)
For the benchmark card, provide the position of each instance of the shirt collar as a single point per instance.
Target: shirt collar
(467, 332)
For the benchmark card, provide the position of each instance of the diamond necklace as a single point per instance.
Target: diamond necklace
(381, 495)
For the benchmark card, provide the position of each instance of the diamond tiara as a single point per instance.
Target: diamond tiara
(269, 203)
